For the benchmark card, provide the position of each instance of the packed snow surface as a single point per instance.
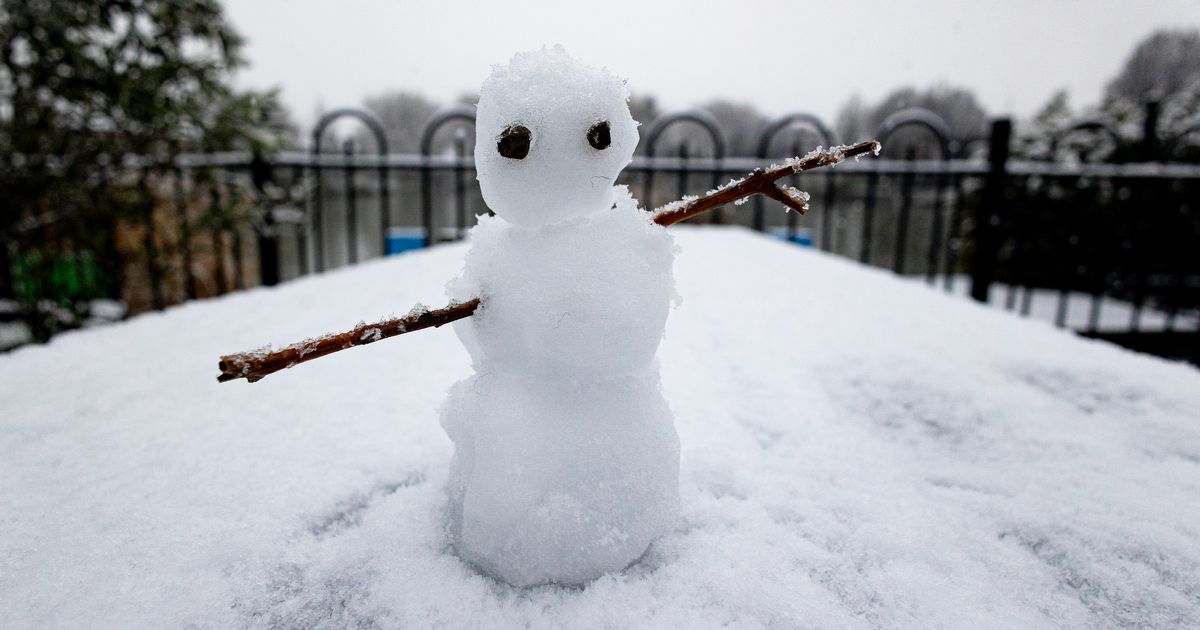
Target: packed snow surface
(857, 452)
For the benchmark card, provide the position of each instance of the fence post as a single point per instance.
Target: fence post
(1150, 132)
(266, 234)
(987, 217)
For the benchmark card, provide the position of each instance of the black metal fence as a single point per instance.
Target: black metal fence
(1110, 247)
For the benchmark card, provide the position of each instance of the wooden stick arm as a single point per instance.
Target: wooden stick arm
(257, 364)
(763, 181)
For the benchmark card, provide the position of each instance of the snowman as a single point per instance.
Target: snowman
(566, 460)
(566, 463)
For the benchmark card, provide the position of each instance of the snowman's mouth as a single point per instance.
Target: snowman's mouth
(595, 177)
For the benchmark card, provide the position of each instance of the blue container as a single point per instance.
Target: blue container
(400, 240)
(802, 237)
(406, 239)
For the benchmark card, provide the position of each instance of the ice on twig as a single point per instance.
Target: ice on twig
(678, 204)
(797, 195)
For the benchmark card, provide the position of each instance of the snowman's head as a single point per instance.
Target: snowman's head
(552, 134)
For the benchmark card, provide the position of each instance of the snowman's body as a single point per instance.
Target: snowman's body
(566, 459)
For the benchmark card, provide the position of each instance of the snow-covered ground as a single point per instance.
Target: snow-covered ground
(858, 452)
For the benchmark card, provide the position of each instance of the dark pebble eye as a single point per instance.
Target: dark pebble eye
(599, 136)
(514, 142)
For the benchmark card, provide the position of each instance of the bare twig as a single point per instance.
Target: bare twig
(255, 365)
(763, 182)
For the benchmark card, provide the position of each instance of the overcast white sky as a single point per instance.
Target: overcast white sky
(783, 56)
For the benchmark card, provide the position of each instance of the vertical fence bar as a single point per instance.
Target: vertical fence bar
(1017, 262)
(906, 199)
(1173, 305)
(1064, 292)
(1026, 300)
(427, 197)
(1010, 296)
(718, 214)
(385, 204)
(1134, 252)
(351, 195)
(268, 256)
(827, 214)
(460, 184)
(239, 276)
(987, 220)
(300, 174)
(262, 176)
(1149, 146)
(864, 249)
(1060, 311)
(318, 209)
(1094, 312)
(1025, 217)
(681, 181)
(932, 262)
(152, 269)
(218, 241)
(185, 235)
(648, 182)
(954, 234)
(1139, 297)
(1013, 222)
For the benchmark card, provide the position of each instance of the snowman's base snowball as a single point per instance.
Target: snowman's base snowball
(557, 480)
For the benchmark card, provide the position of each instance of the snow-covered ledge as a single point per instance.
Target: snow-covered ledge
(857, 452)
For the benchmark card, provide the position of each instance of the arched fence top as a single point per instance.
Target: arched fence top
(917, 117)
(798, 119)
(367, 118)
(1086, 124)
(461, 113)
(700, 117)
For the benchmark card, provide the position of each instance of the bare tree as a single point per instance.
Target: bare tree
(853, 119)
(404, 115)
(958, 107)
(742, 124)
(1160, 66)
